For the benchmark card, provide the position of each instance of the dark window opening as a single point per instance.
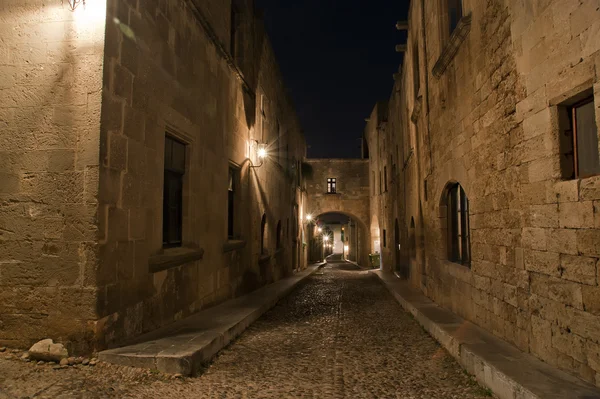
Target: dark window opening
(263, 225)
(455, 13)
(459, 246)
(384, 238)
(231, 193)
(278, 236)
(417, 72)
(385, 178)
(173, 192)
(331, 185)
(425, 189)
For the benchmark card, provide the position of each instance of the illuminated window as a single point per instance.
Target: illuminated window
(331, 185)
(173, 192)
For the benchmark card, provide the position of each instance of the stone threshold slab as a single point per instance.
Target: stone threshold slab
(185, 346)
(508, 372)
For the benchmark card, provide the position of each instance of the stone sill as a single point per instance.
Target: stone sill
(458, 36)
(174, 257)
(233, 245)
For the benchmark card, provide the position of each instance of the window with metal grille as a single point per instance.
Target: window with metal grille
(173, 192)
(459, 245)
(331, 185)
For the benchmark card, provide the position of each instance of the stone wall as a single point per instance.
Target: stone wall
(351, 197)
(50, 88)
(174, 74)
(485, 113)
(92, 94)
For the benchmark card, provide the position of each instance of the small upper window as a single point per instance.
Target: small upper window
(331, 185)
(174, 171)
(459, 246)
(455, 13)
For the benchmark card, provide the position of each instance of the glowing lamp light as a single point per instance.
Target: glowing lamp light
(319, 229)
(346, 248)
(308, 217)
(262, 151)
(326, 238)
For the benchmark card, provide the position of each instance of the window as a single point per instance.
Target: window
(173, 192)
(278, 236)
(455, 13)
(231, 194)
(380, 185)
(384, 238)
(385, 178)
(459, 247)
(416, 71)
(331, 185)
(263, 225)
(584, 134)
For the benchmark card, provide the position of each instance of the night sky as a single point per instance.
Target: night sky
(337, 58)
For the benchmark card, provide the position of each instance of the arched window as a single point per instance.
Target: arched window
(278, 236)
(459, 242)
(263, 225)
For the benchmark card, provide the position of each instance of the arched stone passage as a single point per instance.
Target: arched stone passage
(349, 197)
(356, 237)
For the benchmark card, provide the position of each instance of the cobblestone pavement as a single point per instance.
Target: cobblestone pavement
(338, 335)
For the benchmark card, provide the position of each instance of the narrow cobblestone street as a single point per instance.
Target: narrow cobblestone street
(339, 335)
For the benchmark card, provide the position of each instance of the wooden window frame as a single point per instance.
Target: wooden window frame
(331, 185)
(573, 115)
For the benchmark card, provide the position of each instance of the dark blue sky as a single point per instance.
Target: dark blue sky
(337, 58)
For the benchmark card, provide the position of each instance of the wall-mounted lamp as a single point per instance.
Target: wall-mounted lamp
(319, 230)
(325, 238)
(261, 153)
(346, 248)
(73, 4)
(308, 217)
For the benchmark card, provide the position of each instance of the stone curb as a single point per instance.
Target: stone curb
(508, 372)
(200, 337)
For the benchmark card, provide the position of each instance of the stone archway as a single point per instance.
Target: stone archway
(348, 196)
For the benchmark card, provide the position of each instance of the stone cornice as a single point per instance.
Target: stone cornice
(458, 36)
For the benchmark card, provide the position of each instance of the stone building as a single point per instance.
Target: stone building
(131, 190)
(490, 170)
(341, 186)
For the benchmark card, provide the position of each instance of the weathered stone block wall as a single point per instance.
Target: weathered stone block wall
(351, 197)
(490, 123)
(50, 84)
(169, 71)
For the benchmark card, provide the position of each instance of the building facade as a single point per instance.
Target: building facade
(490, 174)
(149, 166)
